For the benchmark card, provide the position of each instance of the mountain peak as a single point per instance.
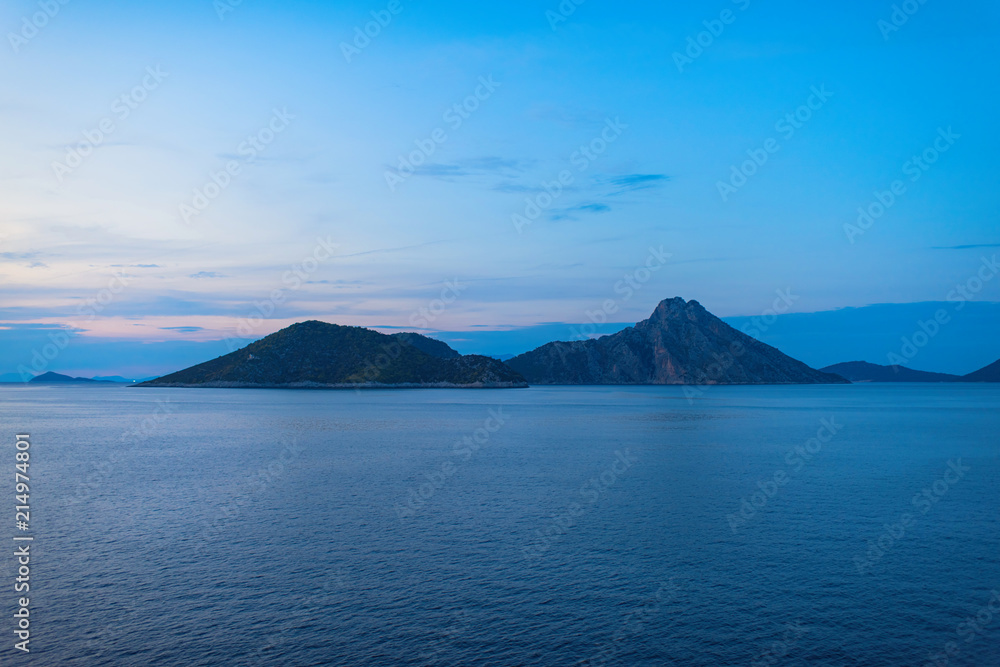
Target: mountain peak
(680, 343)
(312, 324)
(675, 310)
(677, 305)
(671, 304)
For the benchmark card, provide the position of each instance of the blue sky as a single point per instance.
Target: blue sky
(309, 229)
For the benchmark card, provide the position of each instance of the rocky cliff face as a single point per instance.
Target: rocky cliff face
(317, 354)
(681, 343)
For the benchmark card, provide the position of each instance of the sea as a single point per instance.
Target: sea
(764, 525)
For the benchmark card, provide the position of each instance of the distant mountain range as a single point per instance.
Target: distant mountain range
(862, 371)
(680, 343)
(119, 379)
(59, 378)
(317, 354)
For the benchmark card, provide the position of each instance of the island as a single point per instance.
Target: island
(680, 343)
(320, 355)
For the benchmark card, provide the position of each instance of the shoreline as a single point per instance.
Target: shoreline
(338, 385)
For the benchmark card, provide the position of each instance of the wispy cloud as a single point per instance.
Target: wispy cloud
(966, 247)
(338, 283)
(480, 166)
(183, 329)
(37, 326)
(207, 274)
(520, 188)
(441, 171)
(632, 182)
(569, 213)
(497, 164)
(565, 116)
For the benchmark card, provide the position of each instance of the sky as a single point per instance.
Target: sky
(177, 176)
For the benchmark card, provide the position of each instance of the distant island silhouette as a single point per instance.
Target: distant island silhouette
(863, 371)
(317, 354)
(681, 343)
(59, 378)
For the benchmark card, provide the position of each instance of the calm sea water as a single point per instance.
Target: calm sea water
(547, 526)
